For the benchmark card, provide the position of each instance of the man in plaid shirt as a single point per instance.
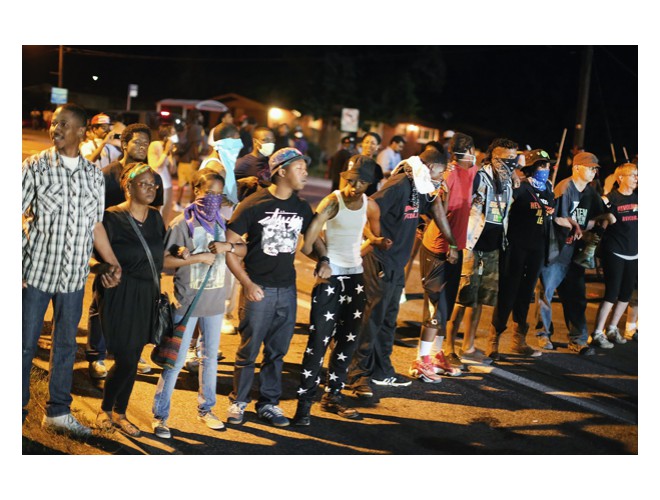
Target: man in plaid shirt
(62, 210)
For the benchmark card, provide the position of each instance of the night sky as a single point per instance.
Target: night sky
(526, 93)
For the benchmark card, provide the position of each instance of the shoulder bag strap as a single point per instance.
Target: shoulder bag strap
(146, 249)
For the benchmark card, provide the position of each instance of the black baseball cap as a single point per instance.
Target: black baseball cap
(361, 167)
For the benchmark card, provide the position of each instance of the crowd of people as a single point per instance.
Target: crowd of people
(489, 231)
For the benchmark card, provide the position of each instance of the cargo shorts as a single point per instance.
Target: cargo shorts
(480, 275)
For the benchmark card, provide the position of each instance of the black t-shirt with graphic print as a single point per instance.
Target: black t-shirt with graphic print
(398, 220)
(528, 224)
(621, 237)
(579, 206)
(272, 227)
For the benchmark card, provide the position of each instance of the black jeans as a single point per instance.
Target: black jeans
(519, 272)
(336, 317)
(120, 380)
(376, 339)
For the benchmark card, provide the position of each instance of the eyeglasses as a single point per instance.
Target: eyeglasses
(593, 169)
(147, 185)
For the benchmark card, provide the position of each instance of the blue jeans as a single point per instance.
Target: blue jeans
(551, 278)
(67, 310)
(568, 280)
(211, 327)
(269, 322)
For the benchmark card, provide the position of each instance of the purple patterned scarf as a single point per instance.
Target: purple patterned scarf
(206, 210)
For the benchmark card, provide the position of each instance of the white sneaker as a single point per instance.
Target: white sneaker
(228, 328)
(66, 423)
(614, 336)
(160, 428)
(143, 367)
(211, 421)
(97, 370)
(598, 339)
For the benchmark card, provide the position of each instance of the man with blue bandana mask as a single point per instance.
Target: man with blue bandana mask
(530, 219)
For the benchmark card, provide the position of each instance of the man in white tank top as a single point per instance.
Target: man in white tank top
(338, 297)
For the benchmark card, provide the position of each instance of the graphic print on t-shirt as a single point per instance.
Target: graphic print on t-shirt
(280, 232)
(201, 239)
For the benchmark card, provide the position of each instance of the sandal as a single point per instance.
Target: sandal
(126, 426)
(104, 421)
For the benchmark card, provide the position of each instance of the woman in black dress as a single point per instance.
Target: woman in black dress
(127, 311)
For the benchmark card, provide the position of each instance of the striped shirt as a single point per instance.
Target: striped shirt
(60, 209)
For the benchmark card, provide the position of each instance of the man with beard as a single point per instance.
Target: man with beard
(62, 210)
(135, 141)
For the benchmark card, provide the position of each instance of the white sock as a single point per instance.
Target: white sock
(424, 348)
(437, 343)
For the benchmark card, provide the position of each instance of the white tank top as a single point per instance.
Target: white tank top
(343, 234)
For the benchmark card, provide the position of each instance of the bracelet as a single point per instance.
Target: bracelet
(324, 259)
(232, 248)
(453, 246)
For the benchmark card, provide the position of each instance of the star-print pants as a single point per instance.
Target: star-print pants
(336, 316)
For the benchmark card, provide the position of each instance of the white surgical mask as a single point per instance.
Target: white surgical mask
(267, 148)
(468, 156)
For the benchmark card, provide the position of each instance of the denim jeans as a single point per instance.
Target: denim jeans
(568, 280)
(67, 310)
(211, 326)
(269, 322)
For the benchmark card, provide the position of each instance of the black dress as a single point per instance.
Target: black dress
(127, 310)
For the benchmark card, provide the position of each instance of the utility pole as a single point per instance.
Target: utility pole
(583, 96)
(61, 67)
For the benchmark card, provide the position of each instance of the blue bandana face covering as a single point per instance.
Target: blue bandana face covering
(228, 150)
(539, 178)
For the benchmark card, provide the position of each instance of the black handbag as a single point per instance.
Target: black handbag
(163, 325)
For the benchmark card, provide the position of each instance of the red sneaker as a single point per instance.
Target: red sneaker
(443, 367)
(424, 371)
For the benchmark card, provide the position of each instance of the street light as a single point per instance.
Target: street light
(275, 113)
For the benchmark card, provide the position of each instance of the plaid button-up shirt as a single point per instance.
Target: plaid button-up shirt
(60, 207)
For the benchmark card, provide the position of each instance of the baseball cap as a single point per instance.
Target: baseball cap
(397, 138)
(531, 157)
(349, 139)
(448, 134)
(282, 157)
(360, 167)
(586, 159)
(101, 119)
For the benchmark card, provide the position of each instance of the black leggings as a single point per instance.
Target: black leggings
(120, 380)
(620, 277)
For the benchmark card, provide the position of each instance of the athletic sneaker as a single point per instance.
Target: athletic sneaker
(235, 413)
(444, 367)
(454, 360)
(392, 382)
(598, 339)
(424, 371)
(273, 414)
(66, 423)
(97, 369)
(544, 342)
(581, 349)
(160, 428)
(143, 367)
(211, 421)
(614, 336)
(475, 357)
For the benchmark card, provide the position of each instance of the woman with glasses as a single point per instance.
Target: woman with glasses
(127, 311)
(618, 254)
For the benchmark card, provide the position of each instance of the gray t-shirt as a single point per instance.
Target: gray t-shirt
(188, 279)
